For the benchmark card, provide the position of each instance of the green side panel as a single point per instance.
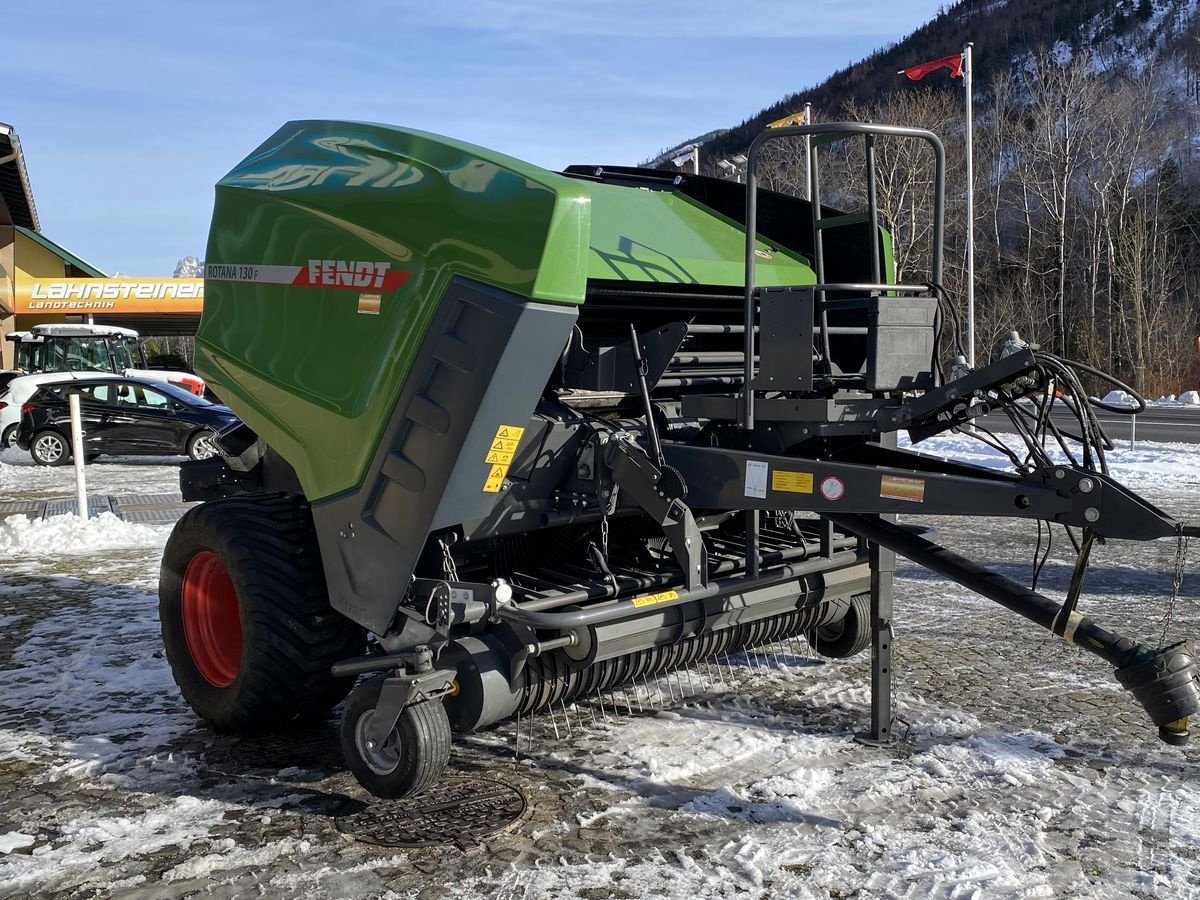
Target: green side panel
(333, 243)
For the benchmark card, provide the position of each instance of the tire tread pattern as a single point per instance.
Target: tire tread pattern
(290, 634)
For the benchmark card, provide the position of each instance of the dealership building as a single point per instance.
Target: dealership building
(43, 282)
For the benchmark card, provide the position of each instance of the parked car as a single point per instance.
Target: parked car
(120, 416)
(19, 390)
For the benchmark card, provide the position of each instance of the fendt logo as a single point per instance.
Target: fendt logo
(343, 274)
(339, 273)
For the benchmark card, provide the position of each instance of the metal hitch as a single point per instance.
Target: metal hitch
(1165, 681)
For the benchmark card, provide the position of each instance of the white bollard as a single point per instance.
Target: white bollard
(1132, 430)
(78, 454)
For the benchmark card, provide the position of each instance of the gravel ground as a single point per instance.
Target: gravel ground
(1022, 770)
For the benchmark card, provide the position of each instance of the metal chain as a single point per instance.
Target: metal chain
(1181, 549)
(448, 567)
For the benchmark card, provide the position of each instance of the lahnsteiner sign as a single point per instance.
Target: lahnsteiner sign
(109, 295)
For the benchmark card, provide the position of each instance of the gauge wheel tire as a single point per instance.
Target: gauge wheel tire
(9, 438)
(412, 758)
(246, 621)
(49, 448)
(200, 445)
(848, 636)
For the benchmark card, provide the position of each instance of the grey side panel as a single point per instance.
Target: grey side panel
(482, 366)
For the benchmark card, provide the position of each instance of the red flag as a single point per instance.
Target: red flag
(953, 63)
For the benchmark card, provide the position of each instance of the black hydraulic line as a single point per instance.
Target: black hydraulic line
(1082, 558)
(1165, 681)
(639, 365)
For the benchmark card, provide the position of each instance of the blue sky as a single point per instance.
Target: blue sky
(129, 111)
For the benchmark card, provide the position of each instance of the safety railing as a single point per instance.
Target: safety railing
(825, 134)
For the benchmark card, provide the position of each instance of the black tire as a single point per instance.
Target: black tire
(289, 634)
(415, 755)
(9, 438)
(848, 636)
(199, 444)
(49, 448)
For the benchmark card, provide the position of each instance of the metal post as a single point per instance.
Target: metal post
(807, 153)
(696, 159)
(77, 453)
(968, 86)
(1132, 431)
(883, 574)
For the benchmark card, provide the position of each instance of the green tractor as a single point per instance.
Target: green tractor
(514, 437)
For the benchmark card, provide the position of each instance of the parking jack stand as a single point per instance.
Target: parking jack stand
(883, 573)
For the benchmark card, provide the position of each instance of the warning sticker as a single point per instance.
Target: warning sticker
(500, 456)
(792, 482)
(832, 488)
(651, 599)
(895, 487)
(756, 479)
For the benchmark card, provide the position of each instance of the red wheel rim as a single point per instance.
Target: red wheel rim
(211, 624)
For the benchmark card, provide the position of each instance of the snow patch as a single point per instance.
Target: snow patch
(22, 536)
(1119, 398)
(14, 840)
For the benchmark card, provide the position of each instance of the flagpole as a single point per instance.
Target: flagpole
(968, 75)
(808, 154)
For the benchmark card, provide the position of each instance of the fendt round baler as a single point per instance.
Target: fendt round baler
(512, 437)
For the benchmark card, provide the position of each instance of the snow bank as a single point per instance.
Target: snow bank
(1192, 398)
(1148, 464)
(21, 536)
(1119, 398)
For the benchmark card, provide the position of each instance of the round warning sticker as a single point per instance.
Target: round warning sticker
(832, 488)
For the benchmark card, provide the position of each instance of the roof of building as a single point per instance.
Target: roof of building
(84, 268)
(16, 196)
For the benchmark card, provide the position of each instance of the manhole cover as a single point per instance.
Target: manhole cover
(309, 750)
(459, 811)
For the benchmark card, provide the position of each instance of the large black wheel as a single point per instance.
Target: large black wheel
(410, 760)
(246, 620)
(848, 636)
(49, 448)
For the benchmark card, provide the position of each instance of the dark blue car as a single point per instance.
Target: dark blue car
(121, 416)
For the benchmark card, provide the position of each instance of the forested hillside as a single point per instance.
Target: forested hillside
(1087, 210)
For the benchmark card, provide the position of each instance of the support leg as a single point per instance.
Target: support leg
(883, 577)
(883, 573)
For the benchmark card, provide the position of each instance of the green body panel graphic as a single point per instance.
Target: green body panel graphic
(315, 370)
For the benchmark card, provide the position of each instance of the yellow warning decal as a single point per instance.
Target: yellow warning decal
(651, 599)
(792, 482)
(500, 456)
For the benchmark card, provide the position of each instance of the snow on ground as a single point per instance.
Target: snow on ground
(22, 479)
(1147, 464)
(1023, 771)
